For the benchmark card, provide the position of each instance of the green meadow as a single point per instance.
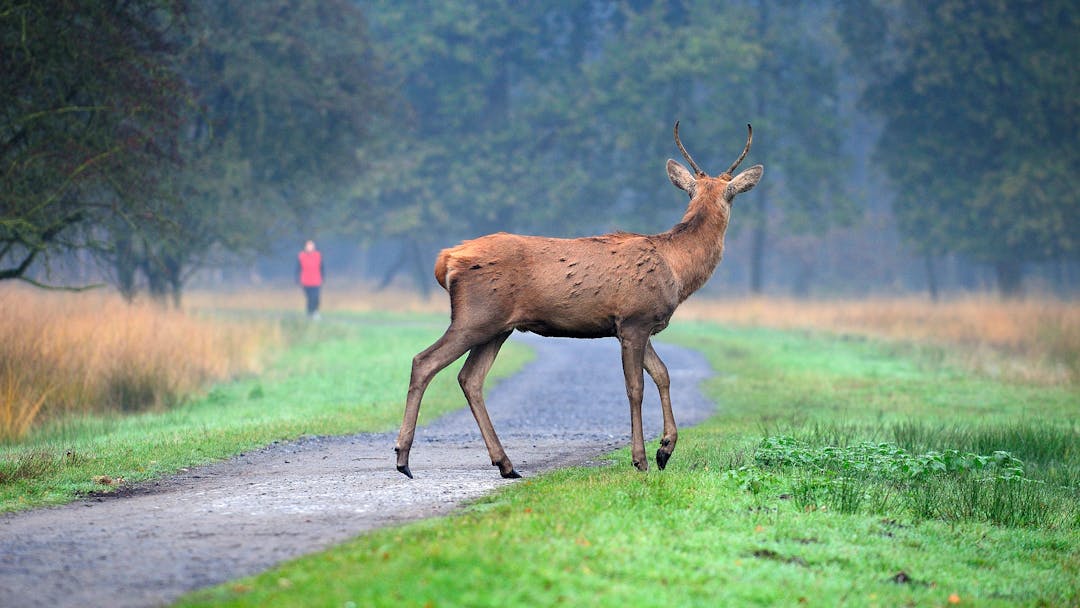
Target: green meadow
(837, 471)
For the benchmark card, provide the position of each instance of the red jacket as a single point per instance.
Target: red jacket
(310, 268)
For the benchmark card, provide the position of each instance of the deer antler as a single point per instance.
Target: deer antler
(746, 150)
(686, 154)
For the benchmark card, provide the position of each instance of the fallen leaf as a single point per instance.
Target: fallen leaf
(954, 598)
(105, 480)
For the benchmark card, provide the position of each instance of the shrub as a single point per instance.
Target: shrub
(947, 484)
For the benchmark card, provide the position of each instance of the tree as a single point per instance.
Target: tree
(708, 66)
(283, 94)
(473, 147)
(90, 105)
(161, 134)
(980, 103)
(557, 117)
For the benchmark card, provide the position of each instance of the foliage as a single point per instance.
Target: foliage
(557, 118)
(980, 107)
(166, 135)
(162, 133)
(880, 477)
(91, 108)
(885, 460)
(282, 96)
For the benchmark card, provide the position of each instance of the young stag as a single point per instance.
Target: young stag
(623, 285)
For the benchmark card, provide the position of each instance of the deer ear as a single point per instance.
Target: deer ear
(681, 177)
(744, 181)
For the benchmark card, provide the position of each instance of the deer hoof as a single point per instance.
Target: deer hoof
(404, 470)
(511, 475)
(662, 458)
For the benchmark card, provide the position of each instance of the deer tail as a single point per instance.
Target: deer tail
(441, 263)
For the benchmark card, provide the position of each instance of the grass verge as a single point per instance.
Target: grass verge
(726, 524)
(348, 373)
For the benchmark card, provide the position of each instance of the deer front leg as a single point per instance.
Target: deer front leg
(633, 354)
(425, 365)
(471, 380)
(659, 373)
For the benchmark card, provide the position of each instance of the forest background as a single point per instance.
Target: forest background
(909, 146)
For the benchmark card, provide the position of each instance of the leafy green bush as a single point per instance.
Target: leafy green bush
(881, 477)
(885, 460)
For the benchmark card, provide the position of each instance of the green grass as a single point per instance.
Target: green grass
(726, 525)
(343, 375)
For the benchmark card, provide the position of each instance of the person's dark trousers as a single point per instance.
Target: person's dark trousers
(312, 294)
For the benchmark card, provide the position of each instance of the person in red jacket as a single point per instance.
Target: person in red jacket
(309, 274)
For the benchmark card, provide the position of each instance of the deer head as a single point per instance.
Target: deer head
(686, 181)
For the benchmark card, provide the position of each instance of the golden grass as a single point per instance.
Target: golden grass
(65, 353)
(348, 298)
(1036, 339)
(1032, 340)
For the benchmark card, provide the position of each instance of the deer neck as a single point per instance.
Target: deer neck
(694, 247)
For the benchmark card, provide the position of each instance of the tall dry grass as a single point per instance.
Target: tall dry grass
(65, 353)
(354, 297)
(1031, 340)
(1034, 339)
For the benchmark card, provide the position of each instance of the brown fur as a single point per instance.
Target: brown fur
(623, 285)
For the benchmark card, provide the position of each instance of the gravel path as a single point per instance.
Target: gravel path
(239, 517)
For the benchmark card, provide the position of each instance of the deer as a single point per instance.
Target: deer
(621, 285)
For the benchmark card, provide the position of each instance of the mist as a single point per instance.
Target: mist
(907, 149)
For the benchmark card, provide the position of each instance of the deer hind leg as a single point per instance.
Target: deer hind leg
(425, 365)
(633, 354)
(471, 380)
(659, 373)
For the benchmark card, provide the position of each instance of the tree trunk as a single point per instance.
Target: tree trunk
(156, 284)
(392, 269)
(931, 277)
(421, 270)
(1010, 278)
(174, 276)
(125, 265)
(757, 249)
(154, 271)
(805, 279)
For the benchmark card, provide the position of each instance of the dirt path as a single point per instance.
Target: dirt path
(242, 516)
